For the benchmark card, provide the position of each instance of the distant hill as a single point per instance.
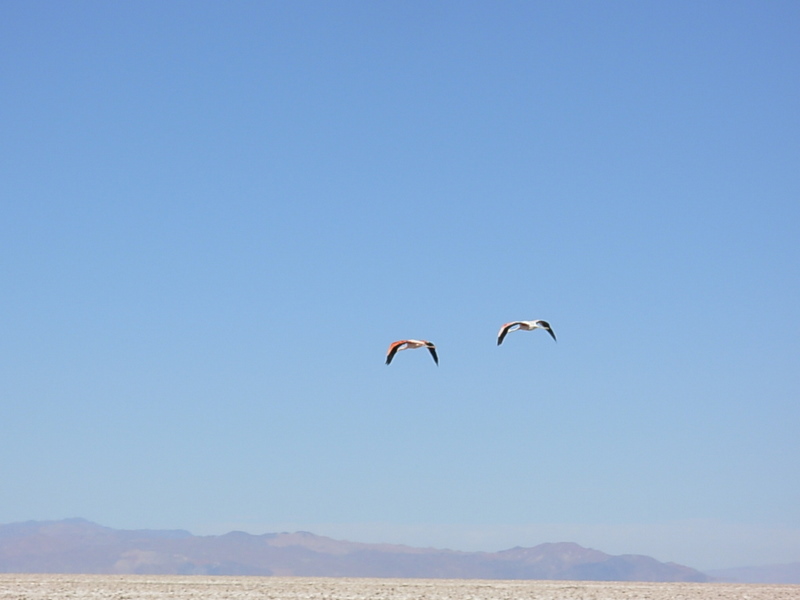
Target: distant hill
(786, 573)
(79, 546)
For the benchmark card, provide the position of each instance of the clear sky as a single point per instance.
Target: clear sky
(216, 216)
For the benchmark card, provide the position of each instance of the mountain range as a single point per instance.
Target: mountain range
(80, 546)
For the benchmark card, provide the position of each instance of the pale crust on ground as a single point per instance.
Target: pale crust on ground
(57, 587)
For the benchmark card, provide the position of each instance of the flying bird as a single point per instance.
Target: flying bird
(523, 326)
(395, 347)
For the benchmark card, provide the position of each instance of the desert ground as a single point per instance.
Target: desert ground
(133, 587)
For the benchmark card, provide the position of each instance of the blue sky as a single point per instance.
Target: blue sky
(217, 216)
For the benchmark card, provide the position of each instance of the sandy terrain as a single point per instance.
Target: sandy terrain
(131, 587)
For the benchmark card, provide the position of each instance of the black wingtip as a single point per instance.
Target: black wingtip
(434, 355)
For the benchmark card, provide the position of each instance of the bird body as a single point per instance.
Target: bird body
(523, 326)
(399, 345)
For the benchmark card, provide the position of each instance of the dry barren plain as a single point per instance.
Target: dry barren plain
(133, 587)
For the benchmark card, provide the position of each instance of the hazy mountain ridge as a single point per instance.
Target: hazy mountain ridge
(79, 546)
